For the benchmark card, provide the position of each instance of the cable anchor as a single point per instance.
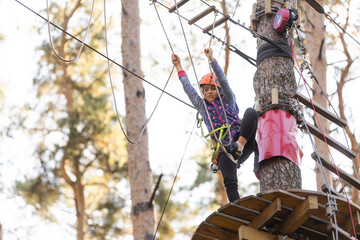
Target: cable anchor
(331, 207)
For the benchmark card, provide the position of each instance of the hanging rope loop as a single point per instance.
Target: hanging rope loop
(82, 42)
(142, 131)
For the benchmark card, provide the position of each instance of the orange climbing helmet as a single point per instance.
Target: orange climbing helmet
(209, 79)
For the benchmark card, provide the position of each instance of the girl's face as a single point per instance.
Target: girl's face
(210, 92)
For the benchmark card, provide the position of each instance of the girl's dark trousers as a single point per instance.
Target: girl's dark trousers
(227, 167)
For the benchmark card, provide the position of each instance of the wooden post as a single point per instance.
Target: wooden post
(300, 214)
(267, 214)
(274, 72)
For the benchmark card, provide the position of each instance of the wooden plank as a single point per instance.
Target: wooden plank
(267, 214)
(225, 221)
(315, 228)
(329, 189)
(319, 109)
(200, 236)
(252, 23)
(290, 200)
(253, 202)
(316, 224)
(331, 141)
(342, 234)
(179, 4)
(238, 211)
(287, 199)
(216, 232)
(201, 15)
(300, 214)
(312, 233)
(217, 23)
(253, 18)
(343, 208)
(248, 233)
(344, 175)
(267, 6)
(254, 7)
(274, 96)
(347, 225)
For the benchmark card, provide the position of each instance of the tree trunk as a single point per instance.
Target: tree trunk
(227, 40)
(275, 72)
(222, 190)
(351, 135)
(79, 199)
(140, 175)
(68, 91)
(315, 43)
(78, 189)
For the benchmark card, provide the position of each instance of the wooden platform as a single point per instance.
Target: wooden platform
(278, 213)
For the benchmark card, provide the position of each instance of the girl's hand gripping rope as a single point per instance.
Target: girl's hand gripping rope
(176, 61)
(209, 53)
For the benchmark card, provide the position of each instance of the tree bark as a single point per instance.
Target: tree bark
(275, 72)
(140, 175)
(315, 43)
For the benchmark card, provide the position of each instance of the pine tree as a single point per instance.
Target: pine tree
(81, 154)
(140, 174)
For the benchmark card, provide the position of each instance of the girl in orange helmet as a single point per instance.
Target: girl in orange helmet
(218, 109)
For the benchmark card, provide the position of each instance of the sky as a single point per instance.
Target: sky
(172, 123)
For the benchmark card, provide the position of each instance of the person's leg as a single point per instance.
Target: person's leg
(246, 134)
(228, 170)
(248, 128)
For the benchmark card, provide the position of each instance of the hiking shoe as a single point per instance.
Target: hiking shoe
(233, 150)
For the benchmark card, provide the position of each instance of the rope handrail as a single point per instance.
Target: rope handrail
(113, 92)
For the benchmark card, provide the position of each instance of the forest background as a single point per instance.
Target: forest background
(194, 196)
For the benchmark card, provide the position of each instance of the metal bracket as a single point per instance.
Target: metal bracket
(331, 207)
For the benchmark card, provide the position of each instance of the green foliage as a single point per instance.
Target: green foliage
(75, 124)
(107, 224)
(40, 192)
